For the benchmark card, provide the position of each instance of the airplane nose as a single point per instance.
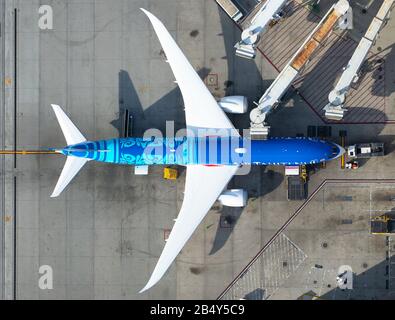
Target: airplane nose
(341, 151)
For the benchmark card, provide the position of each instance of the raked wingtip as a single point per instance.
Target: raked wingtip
(151, 282)
(145, 11)
(54, 195)
(145, 289)
(150, 16)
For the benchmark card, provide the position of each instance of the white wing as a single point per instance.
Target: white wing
(197, 202)
(201, 109)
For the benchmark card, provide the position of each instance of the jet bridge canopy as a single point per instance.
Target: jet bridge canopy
(283, 81)
(249, 37)
(334, 110)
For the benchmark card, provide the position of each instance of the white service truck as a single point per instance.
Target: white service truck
(231, 9)
(366, 150)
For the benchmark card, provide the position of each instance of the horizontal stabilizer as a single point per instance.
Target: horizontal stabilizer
(70, 131)
(72, 166)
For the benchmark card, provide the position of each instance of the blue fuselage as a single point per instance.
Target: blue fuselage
(207, 151)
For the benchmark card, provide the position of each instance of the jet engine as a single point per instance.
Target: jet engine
(234, 104)
(234, 198)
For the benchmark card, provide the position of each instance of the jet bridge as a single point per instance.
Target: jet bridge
(246, 48)
(271, 97)
(334, 110)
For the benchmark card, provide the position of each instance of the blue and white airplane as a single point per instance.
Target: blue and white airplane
(202, 112)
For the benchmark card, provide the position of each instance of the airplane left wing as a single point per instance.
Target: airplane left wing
(198, 200)
(201, 109)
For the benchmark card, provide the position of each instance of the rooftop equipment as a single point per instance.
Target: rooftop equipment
(270, 10)
(280, 85)
(230, 8)
(334, 110)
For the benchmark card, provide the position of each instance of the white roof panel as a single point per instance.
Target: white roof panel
(385, 8)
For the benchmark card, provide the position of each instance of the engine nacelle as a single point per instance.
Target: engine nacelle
(234, 198)
(234, 104)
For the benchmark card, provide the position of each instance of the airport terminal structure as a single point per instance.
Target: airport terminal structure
(208, 149)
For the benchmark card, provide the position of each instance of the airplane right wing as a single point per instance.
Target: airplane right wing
(197, 202)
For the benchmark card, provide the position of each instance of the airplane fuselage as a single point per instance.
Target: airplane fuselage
(206, 151)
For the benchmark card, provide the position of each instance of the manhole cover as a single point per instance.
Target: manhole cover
(212, 80)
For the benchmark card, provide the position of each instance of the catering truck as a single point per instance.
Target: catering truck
(366, 150)
(231, 9)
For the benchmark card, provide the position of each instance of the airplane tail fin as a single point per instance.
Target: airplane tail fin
(73, 164)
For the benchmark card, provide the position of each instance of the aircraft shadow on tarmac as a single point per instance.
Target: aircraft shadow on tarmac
(168, 108)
